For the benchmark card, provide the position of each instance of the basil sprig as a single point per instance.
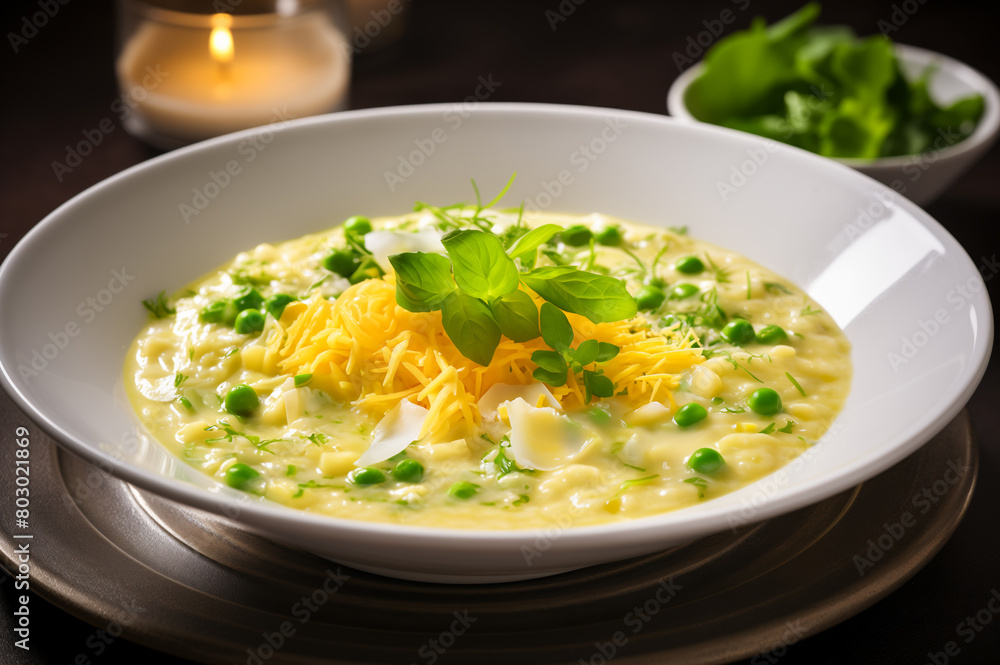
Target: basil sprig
(554, 366)
(477, 290)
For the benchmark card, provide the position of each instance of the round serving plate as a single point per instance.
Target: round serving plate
(195, 585)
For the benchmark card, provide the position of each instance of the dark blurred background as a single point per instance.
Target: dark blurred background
(618, 54)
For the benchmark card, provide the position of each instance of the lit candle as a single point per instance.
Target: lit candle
(216, 74)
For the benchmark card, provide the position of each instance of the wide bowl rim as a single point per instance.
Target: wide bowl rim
(983, 135)
(632, 531)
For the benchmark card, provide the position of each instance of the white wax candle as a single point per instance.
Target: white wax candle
(294, 67)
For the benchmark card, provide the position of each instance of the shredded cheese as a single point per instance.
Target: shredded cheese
(364, 348)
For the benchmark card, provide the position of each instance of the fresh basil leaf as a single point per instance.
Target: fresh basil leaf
(600, 298)
(597, 384)
(517, 315)
(551, 361)
(482, 269)
(554, 379)
(526, 247)
(423, 281)
(470, 326)
(606, 352)
(587, 352)
(556, 330)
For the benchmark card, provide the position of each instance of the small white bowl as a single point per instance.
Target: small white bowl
(910, 300)
(921, 178)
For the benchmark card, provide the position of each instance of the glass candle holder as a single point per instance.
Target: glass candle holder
(193, 69)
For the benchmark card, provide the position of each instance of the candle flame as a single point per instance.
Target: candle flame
(220, 42)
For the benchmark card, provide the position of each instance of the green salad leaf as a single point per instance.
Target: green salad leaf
(823, 89)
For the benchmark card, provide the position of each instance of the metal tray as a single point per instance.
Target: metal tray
(197, 586)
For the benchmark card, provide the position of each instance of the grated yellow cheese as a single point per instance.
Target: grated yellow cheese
(364, 348)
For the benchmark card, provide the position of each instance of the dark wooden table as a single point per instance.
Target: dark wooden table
(58, 84)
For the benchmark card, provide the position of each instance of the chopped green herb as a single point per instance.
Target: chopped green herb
(787, 429)
(768, 429)
(796, 384)
(700, 483)
(158, 306)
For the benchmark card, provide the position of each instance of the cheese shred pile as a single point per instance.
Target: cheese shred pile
(364, 348)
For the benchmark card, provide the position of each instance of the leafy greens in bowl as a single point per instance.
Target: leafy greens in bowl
(910, 118)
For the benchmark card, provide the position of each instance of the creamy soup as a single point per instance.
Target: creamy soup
(499, 371)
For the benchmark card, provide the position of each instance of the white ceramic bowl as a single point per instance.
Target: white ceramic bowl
(921, 178)
(907, 295)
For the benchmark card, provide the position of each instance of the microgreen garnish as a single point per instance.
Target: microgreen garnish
(721, 274)
(796, 384)
(633, 482)
(243, 276)
(159, 307)
(318, 438)
(748, 285)
(737, 366)
(768, 429)
(554, 366)
(700, 483)
(312, 484)
(230, 433)
(776, 288)
(809, 311)
(787, 429)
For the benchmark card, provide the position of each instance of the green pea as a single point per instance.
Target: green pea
(649, 298)
(706, 461)
(463, 489)
(765, 401)
(576, 235)
(249, 321)
(358, 225)
(366, 476)
(343, 262)
(249, 298)
(738, 332)
(772, 335)
(689, 414)
(682, 291)
(276, 304)
(689, 265)
(220, 311)
(610, 236)
(408, 471)
(239, 475)
(241, 400)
